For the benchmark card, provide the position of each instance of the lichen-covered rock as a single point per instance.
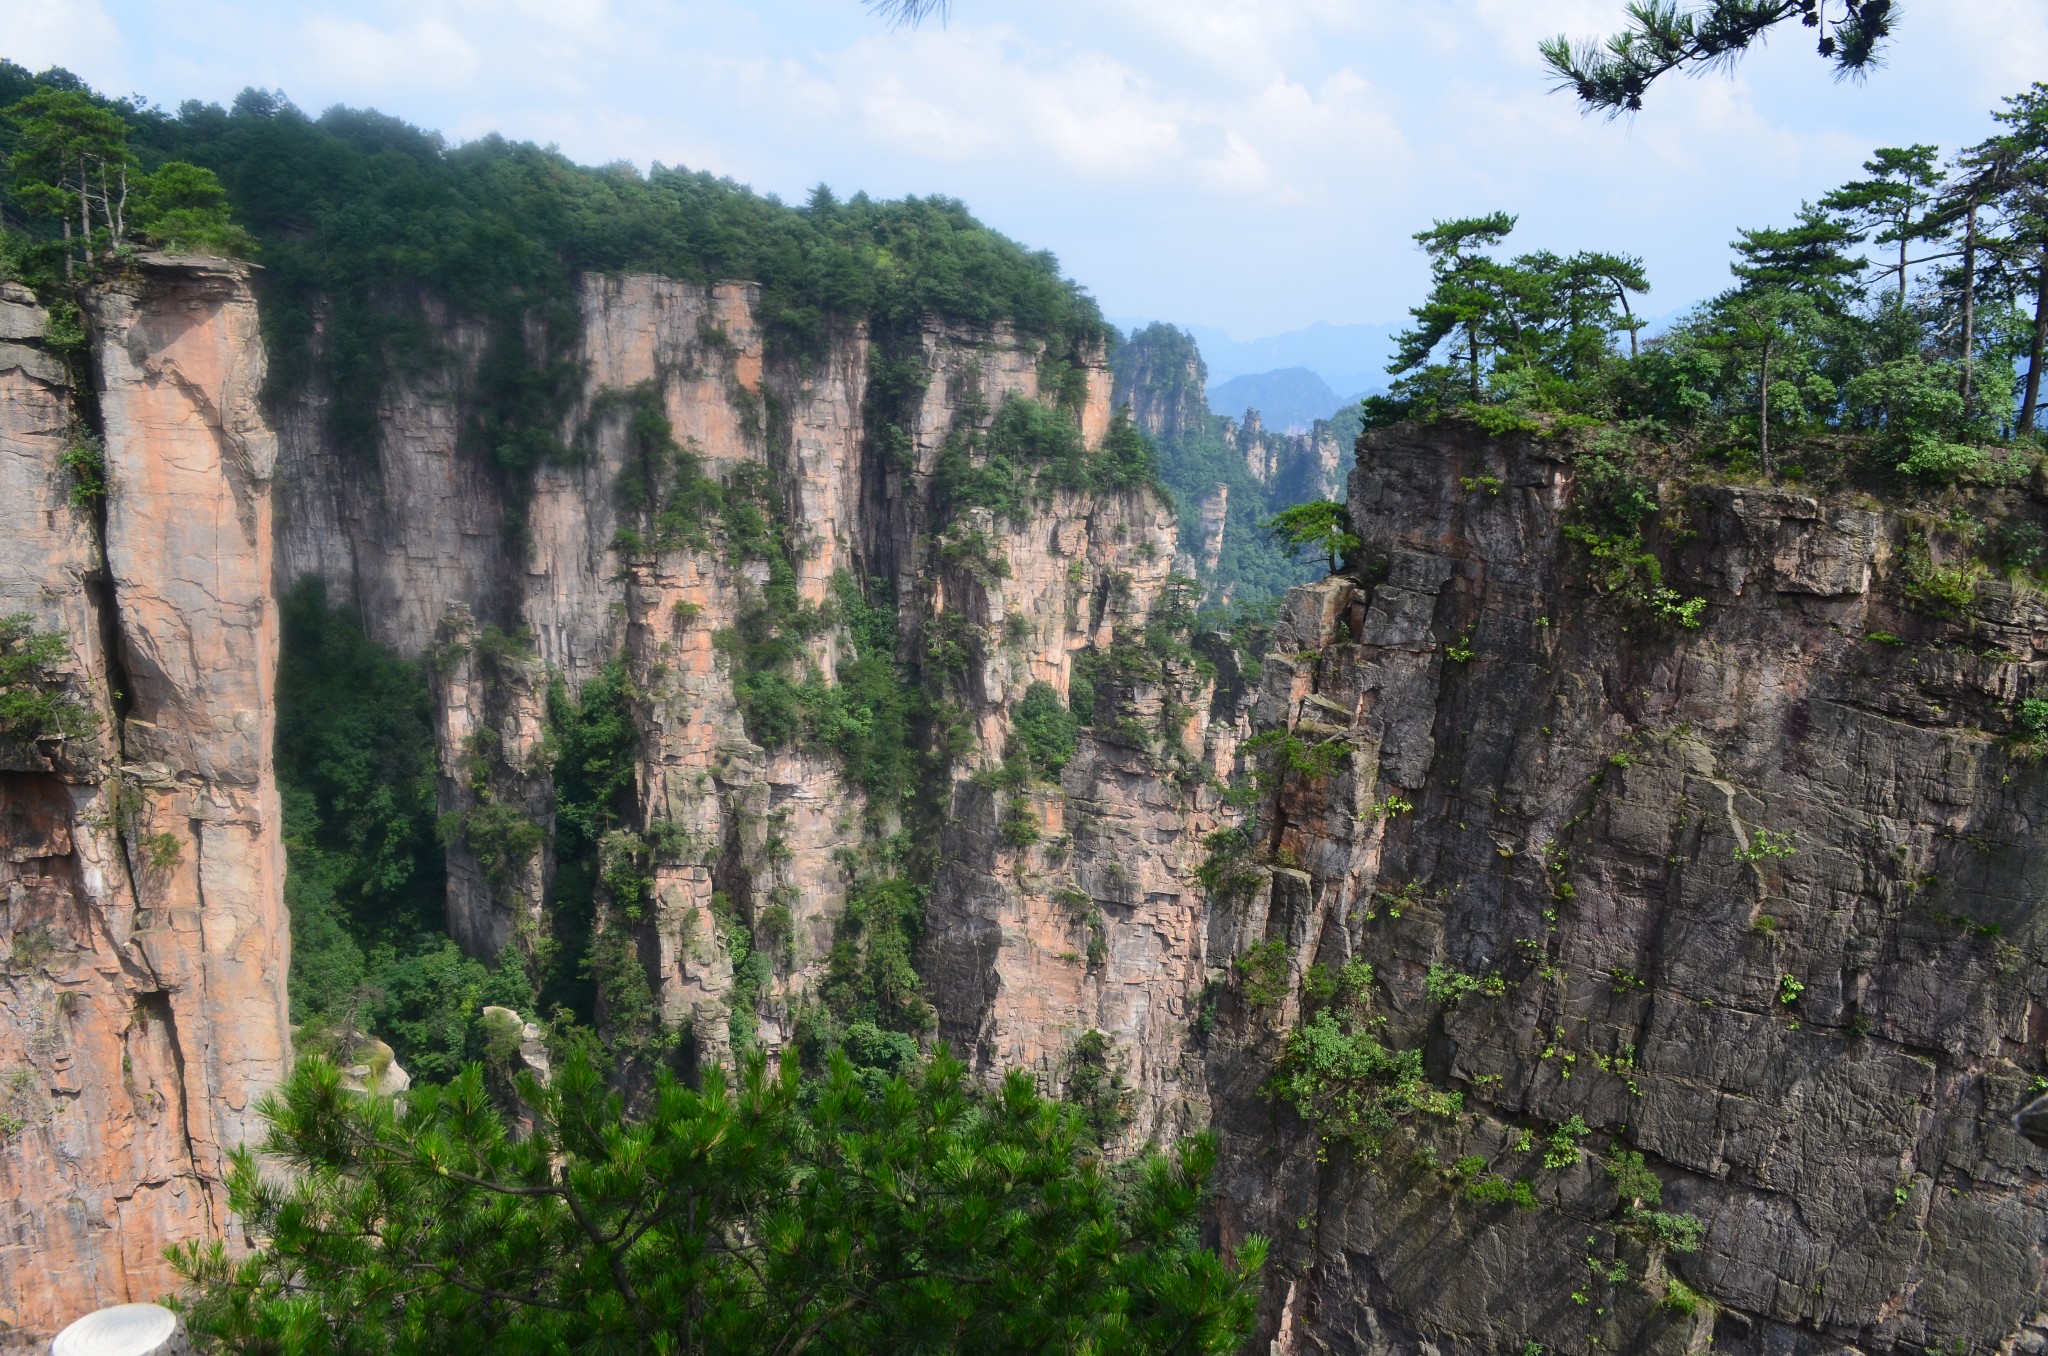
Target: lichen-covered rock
(1759, 901)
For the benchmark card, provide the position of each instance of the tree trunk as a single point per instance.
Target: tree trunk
(121, 209)
(67, 249)
(1969, 310)
(1902, 264)
(1472, 337)
(2032, 404)
(1763, 422)
(1630, 317)
(85, 211)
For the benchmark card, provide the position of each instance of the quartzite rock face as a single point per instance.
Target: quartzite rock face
(770, 839)
(142, 1006)
(1764, 899)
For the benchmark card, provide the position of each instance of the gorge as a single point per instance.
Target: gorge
(1570, 954)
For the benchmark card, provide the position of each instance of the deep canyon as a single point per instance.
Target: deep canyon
(1757, 901)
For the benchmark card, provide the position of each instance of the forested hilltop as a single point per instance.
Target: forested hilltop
(361, 218)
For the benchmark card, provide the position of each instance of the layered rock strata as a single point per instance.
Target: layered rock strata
(142, 1003)
(1759, 901)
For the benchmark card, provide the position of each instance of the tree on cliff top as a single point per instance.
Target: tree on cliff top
(1321, 525)
(72, 164)
(757, 1214)
(1661, 37)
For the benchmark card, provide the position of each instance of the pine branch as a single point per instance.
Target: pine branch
(908, 13)
(1611, 77)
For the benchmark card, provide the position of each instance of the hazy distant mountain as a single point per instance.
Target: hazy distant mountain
(1352, 359)
(1288, 401)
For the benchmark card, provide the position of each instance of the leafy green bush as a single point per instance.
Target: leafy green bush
(1353, 1089)
(1941, 590)
(85, 458)
(1046, 728)
(1493, 1189)
(34, 703)
(1447, 984)
(1264, 968)
(1561, 1146)
(1912, 405)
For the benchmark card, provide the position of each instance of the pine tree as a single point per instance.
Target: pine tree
(754, 1214)
(1890, 207)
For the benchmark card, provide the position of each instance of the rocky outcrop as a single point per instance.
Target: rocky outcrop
(1294, 466)
(1215, 513)
(1757, 901)
(1160, 375)
(768, 838)
(142, 1009)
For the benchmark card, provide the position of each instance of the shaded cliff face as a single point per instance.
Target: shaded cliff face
(1758, 901)
(142, 1006)
(1089, 925)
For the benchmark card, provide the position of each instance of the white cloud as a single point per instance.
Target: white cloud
(1254, 163)
(75, 34)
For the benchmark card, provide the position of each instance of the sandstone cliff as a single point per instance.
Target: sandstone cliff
(1091, 925)
(1753, 900)
(1757, 901)
(142, 1006)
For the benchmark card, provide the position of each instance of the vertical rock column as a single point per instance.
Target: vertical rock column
(188, 543)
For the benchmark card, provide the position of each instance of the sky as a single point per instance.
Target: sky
(1252, 165)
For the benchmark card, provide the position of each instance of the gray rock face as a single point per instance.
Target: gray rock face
(1763, 901)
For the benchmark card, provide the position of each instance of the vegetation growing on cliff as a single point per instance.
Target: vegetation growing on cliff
(33, 701)
(1029, 451)
(365, 883)
(1816, 361)
(1351, 1087)
(757, 1213)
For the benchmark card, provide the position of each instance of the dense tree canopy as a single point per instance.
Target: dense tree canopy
(360, 217)
(753, 1215)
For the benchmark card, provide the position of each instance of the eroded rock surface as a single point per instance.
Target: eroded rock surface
(1763, 901)
(142, 1006)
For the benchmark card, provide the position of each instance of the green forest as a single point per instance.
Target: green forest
(1195, 456)
(1894, 332)
(364, 217)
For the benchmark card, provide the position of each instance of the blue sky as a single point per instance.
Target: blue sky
(1256, 165)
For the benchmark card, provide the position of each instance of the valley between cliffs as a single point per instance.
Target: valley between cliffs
(1756, 901)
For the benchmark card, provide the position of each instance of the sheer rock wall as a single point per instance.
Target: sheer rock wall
(1817, 1053)
(419, 541)
(142, 1006)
